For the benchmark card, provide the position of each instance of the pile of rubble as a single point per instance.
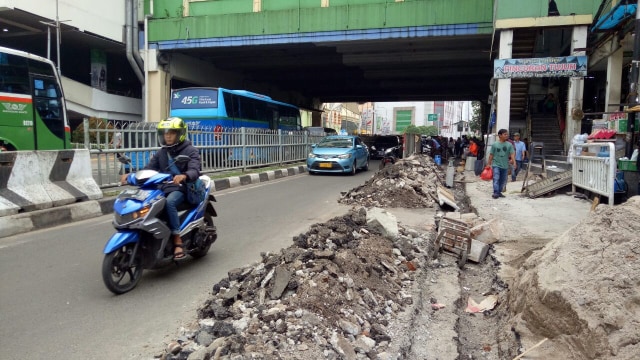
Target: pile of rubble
(331, 295)
(337, 293)
(409, 183)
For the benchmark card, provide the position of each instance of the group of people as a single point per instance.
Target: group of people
(463, 145)
(505, 154)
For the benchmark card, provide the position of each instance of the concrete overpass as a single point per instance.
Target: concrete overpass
(85, 101)
(309, 52)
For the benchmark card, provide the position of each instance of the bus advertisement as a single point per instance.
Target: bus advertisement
(33, 115)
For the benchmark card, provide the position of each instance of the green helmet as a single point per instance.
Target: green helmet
(172, 124)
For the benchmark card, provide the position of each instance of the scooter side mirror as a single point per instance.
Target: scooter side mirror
(124, 159)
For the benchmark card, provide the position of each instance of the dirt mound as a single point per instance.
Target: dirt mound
(582, 289)
(409, 183)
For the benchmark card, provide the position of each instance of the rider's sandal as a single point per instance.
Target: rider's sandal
(180, 254)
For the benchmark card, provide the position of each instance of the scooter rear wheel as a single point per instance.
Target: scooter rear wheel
(118, 276)
(202, 251)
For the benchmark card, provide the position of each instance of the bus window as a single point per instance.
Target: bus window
(14, 75)
(47, 99)
(229, 105)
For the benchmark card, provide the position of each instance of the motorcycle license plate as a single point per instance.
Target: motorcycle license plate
(325, 165)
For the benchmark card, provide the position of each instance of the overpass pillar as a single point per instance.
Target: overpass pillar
(614, 81)
(158, 89)
(504, 85)
(576, 87)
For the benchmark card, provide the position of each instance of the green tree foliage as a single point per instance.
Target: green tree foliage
(421, 130)
(77, 136)
(475, 124)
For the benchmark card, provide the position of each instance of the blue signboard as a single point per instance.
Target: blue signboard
(194, 99)
(564, 66)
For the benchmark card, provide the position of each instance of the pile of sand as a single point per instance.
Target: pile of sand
(582, 290)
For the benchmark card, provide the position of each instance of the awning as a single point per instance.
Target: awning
(618, 14)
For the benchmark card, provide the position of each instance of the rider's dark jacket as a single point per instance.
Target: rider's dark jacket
(160, 162)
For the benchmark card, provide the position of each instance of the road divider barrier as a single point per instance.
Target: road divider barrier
(37, 180)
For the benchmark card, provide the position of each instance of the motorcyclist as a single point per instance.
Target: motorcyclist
(172, 134)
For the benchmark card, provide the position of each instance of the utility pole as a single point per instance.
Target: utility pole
(633, 86)
(58, 36)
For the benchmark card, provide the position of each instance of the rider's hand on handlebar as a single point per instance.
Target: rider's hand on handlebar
(123, 179)
(179, 178)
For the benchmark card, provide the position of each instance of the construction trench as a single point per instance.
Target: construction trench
(386, 280)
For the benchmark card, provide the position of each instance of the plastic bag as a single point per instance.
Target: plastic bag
(195, 191)
(487, 174)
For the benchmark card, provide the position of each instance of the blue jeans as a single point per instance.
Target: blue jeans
(499, 179)
(174, 199)
(514, 172)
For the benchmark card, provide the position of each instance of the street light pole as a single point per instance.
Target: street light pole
(58, 36)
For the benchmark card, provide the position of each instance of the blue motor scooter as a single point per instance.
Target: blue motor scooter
(143, 239)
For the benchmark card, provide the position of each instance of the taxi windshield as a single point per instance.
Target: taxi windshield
(336, 143)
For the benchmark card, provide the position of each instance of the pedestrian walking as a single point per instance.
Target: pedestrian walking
(458, 148)
(500, 156)
(520, 155)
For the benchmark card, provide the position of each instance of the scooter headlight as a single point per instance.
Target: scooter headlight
(132, 216)
(140, 213)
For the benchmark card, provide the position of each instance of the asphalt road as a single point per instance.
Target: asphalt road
(53, 304)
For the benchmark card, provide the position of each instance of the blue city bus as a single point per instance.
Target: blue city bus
(218, 107)
(214, 117)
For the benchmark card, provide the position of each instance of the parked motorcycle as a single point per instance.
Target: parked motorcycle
(143, 239)
(425, 146)
(389, 157)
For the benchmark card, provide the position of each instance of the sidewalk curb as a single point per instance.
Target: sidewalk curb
(42, 219)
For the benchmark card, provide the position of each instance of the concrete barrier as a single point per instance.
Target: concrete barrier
(37, 180)
(21, 186)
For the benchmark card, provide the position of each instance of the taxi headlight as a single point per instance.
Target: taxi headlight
(344, 156)
(312, 156)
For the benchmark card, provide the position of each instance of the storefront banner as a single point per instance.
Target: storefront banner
(566, 66)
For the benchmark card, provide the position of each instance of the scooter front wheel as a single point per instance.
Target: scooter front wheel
(120, 272)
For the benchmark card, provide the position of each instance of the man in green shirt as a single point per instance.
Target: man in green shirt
(500, 156)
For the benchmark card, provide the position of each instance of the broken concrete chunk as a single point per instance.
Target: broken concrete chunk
(281, 280)
(384, 221)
